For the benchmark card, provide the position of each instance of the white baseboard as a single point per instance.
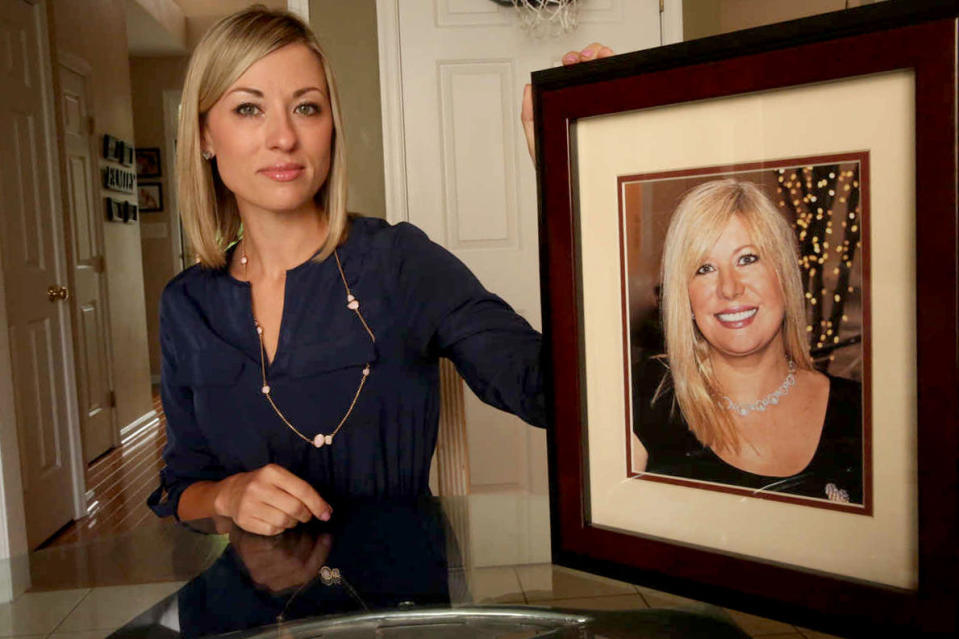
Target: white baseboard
(134, 427)
(14, 577)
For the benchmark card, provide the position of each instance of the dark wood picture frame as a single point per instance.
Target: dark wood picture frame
(130, 212)
(154, 200)
(148, 163)
(114, 209)
(916, 36)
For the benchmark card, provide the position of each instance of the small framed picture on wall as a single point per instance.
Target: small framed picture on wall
(148, 163)
(150, 197)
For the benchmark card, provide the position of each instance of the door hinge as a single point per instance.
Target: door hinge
(99, 264)
(113, 399)
(92, 125)
(662, 6)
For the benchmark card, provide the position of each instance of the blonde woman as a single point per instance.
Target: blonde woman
(300, 355)
(737, 399)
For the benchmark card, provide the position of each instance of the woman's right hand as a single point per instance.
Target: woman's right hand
(280, 563)
(590, 52)
(268, 500)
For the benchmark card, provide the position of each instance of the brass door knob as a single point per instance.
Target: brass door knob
(55, 293)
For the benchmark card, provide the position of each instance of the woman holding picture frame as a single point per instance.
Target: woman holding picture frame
(300, 356)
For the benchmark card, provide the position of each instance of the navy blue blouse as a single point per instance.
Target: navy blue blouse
(421, 303)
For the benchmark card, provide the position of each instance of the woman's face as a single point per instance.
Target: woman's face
(735, 295)
(271, 132)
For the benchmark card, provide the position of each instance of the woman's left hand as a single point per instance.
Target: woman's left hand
(590, 52)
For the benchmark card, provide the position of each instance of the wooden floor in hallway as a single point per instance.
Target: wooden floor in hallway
(118, 484)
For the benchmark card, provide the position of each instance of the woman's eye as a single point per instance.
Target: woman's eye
(705, 268)
(308, 108)
(246, 109)
(749, 258)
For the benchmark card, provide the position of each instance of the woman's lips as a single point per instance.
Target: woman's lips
(283, 172)
(737, 318)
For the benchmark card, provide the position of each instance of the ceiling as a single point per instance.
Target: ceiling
(155, 28)
(172, 27)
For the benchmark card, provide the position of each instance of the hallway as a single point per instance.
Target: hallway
(118, 484)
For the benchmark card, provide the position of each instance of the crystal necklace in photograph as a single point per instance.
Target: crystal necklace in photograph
(319, 439)
(771, 399)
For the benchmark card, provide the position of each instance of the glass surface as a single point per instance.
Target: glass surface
(379, 568)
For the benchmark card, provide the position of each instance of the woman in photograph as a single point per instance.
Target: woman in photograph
(736, 400)
(300, 355)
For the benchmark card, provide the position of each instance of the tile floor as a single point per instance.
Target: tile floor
(84, 613)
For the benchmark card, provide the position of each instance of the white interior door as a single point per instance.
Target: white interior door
(98, 427)
(469, 181)
(38, 327)
(171, 115)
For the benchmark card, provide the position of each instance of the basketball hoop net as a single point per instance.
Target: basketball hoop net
(547, 18)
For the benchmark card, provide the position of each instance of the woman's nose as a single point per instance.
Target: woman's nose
(730, 284)
(281, 135)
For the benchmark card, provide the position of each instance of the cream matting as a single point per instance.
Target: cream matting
(874, 113)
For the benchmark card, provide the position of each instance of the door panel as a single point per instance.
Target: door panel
(91, 318)
(23, 134)
(38, 373)
(476, 100)
(28, 223)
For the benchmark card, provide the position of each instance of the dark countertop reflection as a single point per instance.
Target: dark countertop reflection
(370, 556)
(378, 568)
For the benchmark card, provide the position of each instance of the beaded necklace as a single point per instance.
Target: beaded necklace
(319, 440)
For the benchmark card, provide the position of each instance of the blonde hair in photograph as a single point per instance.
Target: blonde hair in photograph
(207, 207)
(696, 225)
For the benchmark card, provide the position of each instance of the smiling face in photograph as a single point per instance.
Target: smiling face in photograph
(271, 132)
(735, 295)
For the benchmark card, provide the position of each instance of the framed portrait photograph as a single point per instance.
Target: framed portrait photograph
(824, 201)
(749, 277)
(148, 163)
(150, 197)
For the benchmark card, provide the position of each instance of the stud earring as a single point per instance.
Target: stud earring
(207, 155)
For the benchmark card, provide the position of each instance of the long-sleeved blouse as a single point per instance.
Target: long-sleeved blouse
(421, 303)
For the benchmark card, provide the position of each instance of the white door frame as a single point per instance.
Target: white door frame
(13, 532)
(391, 101)
(171, 113)
(391, 94)
(13, 520)
(671, 22)
(299, 8)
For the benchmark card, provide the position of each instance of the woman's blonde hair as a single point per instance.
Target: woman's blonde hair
(207, 207)
(696, 225)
